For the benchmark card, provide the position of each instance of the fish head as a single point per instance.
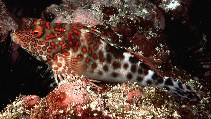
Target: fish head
(40, 39)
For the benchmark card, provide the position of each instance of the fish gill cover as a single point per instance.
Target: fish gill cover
(147, 42)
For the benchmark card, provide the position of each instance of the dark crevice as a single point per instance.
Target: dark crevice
(21, 76)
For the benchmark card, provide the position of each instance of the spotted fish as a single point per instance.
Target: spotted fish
(77, 49)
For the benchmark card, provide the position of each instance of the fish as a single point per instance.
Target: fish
(77, 48)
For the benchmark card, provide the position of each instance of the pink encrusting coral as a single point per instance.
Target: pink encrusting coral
(70, 98)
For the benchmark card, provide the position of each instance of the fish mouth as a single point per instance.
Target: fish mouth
(15, 38)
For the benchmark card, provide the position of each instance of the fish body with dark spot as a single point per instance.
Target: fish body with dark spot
(80, 49)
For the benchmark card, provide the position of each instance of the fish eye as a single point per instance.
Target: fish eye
(37, 32)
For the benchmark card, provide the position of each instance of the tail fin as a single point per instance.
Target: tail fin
(173, 86)
(182, 90)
